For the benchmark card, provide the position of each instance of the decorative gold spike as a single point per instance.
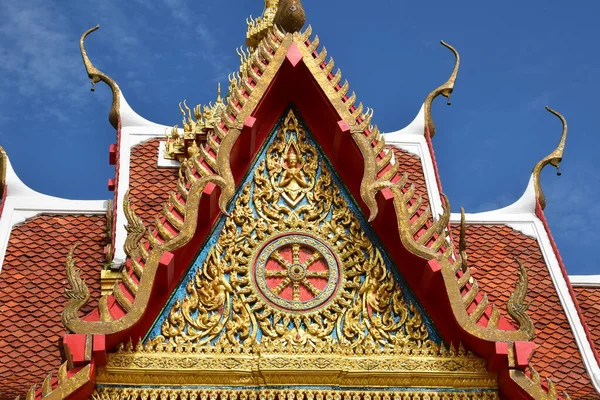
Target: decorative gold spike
(445, 90)
(554, 158)
(471, 294)
(135, 228)
(129, 282)
(165, 233)
(79, 293)
(96, 76)
(420, 221)
(517, 307)
(494, 318)
(103, 310)
(480, 309)
(47, 385)
(31, 393)
(121, 298)
(62, 374)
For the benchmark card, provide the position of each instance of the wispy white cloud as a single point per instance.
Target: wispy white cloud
(35, 57)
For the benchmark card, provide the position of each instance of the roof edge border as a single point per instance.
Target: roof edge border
(585, 281)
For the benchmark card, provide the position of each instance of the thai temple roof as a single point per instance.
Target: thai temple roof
(157, 292)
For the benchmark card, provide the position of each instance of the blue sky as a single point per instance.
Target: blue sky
(517, 57)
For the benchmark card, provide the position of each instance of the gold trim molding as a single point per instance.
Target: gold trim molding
(192, 365)
(286, 394)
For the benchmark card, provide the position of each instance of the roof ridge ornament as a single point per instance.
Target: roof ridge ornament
(554, 158)
(445, 90)
(290, 15)
(96, 76)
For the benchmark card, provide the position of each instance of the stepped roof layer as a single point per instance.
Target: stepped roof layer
(32, 293)
(492, 251)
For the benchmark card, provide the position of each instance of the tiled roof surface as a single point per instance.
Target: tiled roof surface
(32, 293)
(589, 301)
(411, 164)
(492, 250)
(150, 185)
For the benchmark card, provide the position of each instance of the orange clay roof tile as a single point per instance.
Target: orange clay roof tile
(492, 250)
(589, 301)
(148, 182)
(32, 293)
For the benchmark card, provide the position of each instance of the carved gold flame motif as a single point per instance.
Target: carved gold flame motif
(293, 266)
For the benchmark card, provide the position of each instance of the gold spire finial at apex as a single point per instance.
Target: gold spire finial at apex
(290, 15)
(445, 90)
(96, 76)
(554, 158)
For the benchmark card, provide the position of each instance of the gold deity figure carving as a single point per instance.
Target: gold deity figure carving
(292, 179)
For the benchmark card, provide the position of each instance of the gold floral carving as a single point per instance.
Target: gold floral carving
(166, 364)
(553, 158)
(445, 90)
(98, 76)
(368, 310)
(134, 393)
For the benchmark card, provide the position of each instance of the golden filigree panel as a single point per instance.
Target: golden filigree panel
(293, 267)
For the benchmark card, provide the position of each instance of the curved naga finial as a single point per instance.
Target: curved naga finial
(96, 76)
(553, 158)
(517, 307)
(135, 227)
(78, 295)
(445, 90)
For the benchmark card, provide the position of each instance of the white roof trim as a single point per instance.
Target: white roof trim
(521, 216)
(134, 130)
(585, 280)
(23, 202)
(412, 140)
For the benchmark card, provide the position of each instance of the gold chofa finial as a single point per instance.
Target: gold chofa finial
(96, 76)
(554, 158)
(445, 90)
(290, 16)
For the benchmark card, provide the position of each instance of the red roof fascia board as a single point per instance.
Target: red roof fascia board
(539, 212)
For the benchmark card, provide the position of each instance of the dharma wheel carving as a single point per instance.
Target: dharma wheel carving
(296, 272)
